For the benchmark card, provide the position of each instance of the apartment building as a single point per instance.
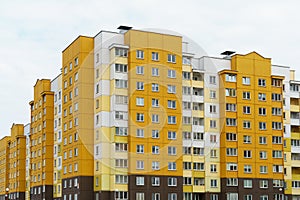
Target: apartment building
(4, 170)
(146, 115)
(16, 163)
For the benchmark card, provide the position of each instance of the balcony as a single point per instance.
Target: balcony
(296, 159)
(198, 94)
(197, 80)
(295, 149)
(295, 118)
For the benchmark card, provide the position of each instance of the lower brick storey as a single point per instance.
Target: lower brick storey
(80, 187)
(40, 192)
(247, 188)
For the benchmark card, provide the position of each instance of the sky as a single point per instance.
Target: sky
(33, 34)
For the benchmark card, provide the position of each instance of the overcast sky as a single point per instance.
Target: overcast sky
(33, 33)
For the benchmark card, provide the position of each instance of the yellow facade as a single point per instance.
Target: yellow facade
(163, 45)
(4, 164)
(251, 138)
(17, 157)
(77, 125)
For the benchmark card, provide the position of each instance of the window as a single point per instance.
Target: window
(155, 181)
(140, 85)
(263, 155)
(214, 196)
(120, 68)
(171, 119)
(230, 107)
(212, 94)
(277, 111)
(172, 181)
(199, 181)
(139, 148)
(171, 73)
(247, 139)
(276, 125)
(186, 76)
(213, 138)
(171, 89)
(263, 184)
(140, 117)
(172, 104)
(186, 60)
(213, 168)
(171, 58)
(246, 95)
(121, 52)
(187, 165)
(121, 147)
(171, 165)
(140, 180)
(139, 164)
(155, 71)
(247, 124)
(277, 154)
(214, 183)
(186, 150)
(198, 166)
(155, 56)
(231, 166)
(187, 181)
(295, 184)
(121, 131)
(247, 154)
(230, 92)
(247, 169)
(213, 123)
(231, 137)
(172, 151)
(278, 140)
(262, 111)
(171, 135)
(120, 195)
(230, 78)
(231, 151)
(155, 149)
(186, 105)
(212, 80)
(155, 196)
(262, 82)
(121, 179)
(262, 125)
(263, 169)
(277, 168)
(198, 136)
(230, 122)
(262, 140)
(212, 108)
(155, 134)
(121, 163)
(276, 97)
(139, 70)
(119, 115)
(172, 196)
(155, 165)
(155, 87)
(198, 151)
(186, 135)
(155, 118)
(246, 109)
(246, 80)
(139, 54)
(121, 99)
(232, 182)
(121, 83)
(140, 101)
(139, 132)
(155, 103)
